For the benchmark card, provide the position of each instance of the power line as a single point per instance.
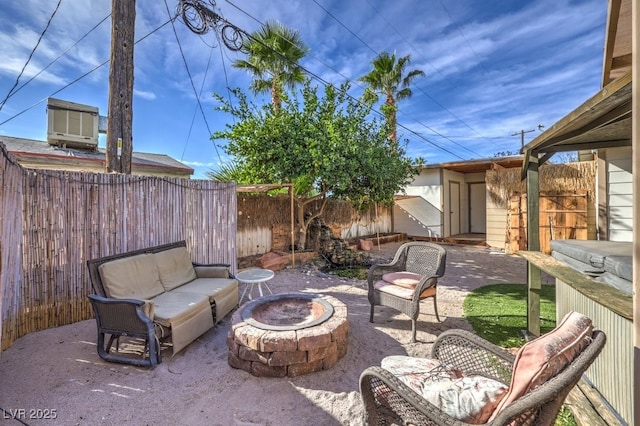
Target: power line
(323, 81)
(418, 86)
(390, 24)
(345, 27)
(480, 61)
(186, 65)
(31, 54)
(310, 55)
(80, 77)
(58, 57)
(193, 119)
(437, 70)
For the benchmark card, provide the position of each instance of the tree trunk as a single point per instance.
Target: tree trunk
(304, 223)
(302, 237)
(391, 120)
(120, 116)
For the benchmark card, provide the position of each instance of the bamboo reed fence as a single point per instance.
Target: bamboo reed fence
(53, 221)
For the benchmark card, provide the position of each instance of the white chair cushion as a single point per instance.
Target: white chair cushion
(471, 399)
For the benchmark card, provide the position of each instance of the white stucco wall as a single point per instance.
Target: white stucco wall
(618, 197)
(421, 215)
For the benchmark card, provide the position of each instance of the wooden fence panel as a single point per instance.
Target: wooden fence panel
(562, 216)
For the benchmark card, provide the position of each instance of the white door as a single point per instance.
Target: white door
(478, 208)
(454, 208)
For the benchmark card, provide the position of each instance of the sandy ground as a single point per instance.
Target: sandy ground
(57, 373)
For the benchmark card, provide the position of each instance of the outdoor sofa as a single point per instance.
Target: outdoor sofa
(157, 294)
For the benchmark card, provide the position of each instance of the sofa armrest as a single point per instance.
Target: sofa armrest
(129, 316)
(125, 317)
(214, 270)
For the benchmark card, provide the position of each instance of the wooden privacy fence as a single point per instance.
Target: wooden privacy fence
(562, 216)
(53, 221)
(264, 222)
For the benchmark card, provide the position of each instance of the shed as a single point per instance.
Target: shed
(448, 199)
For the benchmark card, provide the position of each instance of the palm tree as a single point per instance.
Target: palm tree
(388, 78)
(272, 59)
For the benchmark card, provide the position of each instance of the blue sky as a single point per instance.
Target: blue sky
(493, 67)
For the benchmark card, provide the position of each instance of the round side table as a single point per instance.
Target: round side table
(252, 277)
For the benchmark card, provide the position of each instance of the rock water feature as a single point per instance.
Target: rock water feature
(334, 250)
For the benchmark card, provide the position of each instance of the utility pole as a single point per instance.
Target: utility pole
(120, 115)
(521, 133)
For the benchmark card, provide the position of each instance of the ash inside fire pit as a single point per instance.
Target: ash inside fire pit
(289, 311)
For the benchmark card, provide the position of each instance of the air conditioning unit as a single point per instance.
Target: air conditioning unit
(72, 125)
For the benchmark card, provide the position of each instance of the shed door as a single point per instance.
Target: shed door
(477, 208)
(454, 208)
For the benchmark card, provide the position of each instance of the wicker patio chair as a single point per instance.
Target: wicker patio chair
(388, 401)
(411, 277)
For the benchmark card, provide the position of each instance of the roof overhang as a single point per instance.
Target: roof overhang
(617, 45)
(603, 121)
(477, 166)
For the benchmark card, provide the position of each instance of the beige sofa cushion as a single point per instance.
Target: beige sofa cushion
(222, 291)
(204, 271)
(188, 315)
(213, 288)
(175, 306)
(175, 267)
(135, 277)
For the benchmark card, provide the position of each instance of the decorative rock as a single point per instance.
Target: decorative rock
(273, 261)
(365, 245)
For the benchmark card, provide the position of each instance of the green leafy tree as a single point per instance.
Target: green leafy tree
(272, 59)
(325, 146)
(389, 78)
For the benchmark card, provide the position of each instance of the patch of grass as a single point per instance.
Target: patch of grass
(498, 312)
(357, 273)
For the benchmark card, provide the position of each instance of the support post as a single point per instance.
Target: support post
(120, 116)
(534, 281)
(635, 135)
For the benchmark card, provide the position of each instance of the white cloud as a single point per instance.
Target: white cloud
(149, 96)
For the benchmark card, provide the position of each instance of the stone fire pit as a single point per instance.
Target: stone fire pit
(288, 334)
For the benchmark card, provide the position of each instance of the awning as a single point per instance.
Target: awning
(603, 121)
